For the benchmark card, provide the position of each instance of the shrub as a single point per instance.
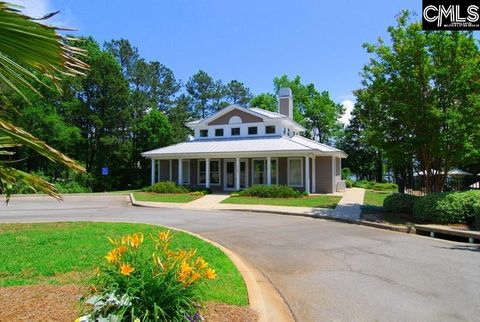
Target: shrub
(378, 186)
(166, 187)
(348, 183)
(447, 207)
(273, 191)
(346, 174)
(136, 285)
(399, 203)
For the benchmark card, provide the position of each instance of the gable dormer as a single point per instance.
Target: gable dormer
(236, 116)
(239, 122)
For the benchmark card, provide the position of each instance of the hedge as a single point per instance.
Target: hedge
(273, 191)
(448, 207)
(166, 187)
(372, 185)
(399, 203)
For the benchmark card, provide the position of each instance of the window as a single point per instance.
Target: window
(270, 129)
(274, 171)
(295, 172)
(214, 172)
(186, 172)
(252, 130)
(203, 133)
(259, 172)
(218, 132)
(235, 131)
(288, 132)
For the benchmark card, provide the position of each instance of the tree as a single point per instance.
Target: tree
(265, 101)
(422, 98)
(322, 115)
(28, 45)
(237, 93)
(315, 110)
(178, 116)
(364, 160)
(105, 118)
(202, 89)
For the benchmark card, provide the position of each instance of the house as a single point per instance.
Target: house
(238, 147)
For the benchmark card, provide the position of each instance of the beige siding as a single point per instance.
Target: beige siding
(246, 118)
(323, 174)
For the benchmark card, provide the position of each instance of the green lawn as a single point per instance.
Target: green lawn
(65, 253)
(310, 201)
(375, 198)
(372, 209)
(165, 197)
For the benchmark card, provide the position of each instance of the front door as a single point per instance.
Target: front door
(230, 175)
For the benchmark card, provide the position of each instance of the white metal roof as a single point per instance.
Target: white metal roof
(254, 146)
(269, 114)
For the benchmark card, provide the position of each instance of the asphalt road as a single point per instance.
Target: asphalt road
(325, 270)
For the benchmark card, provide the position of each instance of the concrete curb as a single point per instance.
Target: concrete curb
(401, 229)
(263, 297)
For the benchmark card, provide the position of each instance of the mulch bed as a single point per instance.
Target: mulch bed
(43, 302)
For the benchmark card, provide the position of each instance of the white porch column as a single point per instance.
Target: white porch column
(158, 170)
(307, 174)
(269, 171)
(152, 172)
(180, 172)
(170, 169)
(207, 173)
(313, 175)
(237, 173)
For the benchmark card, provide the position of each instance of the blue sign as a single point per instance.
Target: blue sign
(104, 171)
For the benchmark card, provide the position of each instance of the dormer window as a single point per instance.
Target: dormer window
(235, 131)
(252, 130)
(203, 133)
(270, 129)
(218, 132)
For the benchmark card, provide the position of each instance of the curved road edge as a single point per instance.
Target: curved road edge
(263, 297)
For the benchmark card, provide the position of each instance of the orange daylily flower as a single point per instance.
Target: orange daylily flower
(135, 240)
(126, 269)
(122, 249)
(185, 268)
(164, 235)
(112, 256)
(200, 263)
(210, 274)
(195, 276)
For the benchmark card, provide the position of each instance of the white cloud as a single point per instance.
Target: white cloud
(34, 8)
(39, 8)
(347, 115)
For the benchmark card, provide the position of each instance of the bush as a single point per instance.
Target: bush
(346, 174)
(136, 285)
(378, 186)
(348, 183)
(166, 187)
(399, 203)
(273, 191)
(71, 187)
(447, 207)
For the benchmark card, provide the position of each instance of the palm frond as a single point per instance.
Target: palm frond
(10, 176)
(26, 44)
(21, 137)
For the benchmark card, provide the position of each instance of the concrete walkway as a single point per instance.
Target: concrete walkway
(349, 207)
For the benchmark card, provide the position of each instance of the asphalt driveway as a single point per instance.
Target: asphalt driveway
(326, 271)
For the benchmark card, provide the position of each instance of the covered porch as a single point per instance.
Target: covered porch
(311, 173)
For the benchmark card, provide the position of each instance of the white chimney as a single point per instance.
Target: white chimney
(285, 102)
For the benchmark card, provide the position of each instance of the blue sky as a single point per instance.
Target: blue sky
(251, 41)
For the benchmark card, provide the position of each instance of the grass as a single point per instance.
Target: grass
(372, 209)
(66, 253)
(310, 201)
(165, 197)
